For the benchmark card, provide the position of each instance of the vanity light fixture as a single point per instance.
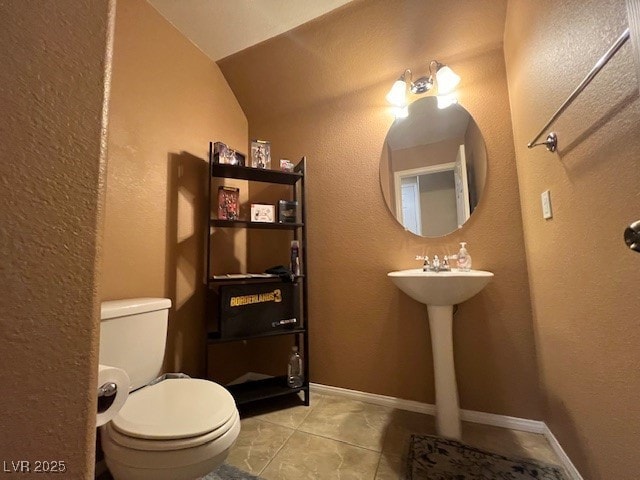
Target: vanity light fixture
(444, 77)
(446, 100)
(397, 96)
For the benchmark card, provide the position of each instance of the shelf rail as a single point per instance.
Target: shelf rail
(552, 138)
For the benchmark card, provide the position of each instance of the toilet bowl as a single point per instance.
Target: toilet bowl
(176, 429)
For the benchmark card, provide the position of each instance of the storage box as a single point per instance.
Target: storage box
(286, 165)
(253, 309)
(225, 155)
(287, 211)
(260, 154)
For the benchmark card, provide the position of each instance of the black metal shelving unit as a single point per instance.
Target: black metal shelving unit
(250, 392)
(249, 224)
(253, 391)
(213, 338)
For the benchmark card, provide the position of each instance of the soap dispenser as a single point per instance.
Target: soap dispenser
(464, 259)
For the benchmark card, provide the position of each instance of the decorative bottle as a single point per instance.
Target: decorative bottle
(464, 259)
(295, 377)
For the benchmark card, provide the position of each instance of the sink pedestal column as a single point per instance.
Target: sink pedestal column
(447, 408)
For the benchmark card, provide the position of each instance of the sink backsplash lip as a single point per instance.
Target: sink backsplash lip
(418, 272)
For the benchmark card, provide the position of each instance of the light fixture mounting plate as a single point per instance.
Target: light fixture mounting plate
(422, 85)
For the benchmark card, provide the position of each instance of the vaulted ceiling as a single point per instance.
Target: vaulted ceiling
(223, 27)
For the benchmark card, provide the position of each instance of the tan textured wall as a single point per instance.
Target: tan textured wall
(52, 77)
(584, 281)
(168, 101)
(321, 93)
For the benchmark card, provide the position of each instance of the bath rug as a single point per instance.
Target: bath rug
(223, 472)
(436, 458)
(227, 472)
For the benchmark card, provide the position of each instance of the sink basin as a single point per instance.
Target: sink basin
(440, 291)
(441, 288)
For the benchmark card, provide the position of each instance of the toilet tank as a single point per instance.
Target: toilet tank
(133, 335)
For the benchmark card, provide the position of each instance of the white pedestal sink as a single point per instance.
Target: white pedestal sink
(440, 291)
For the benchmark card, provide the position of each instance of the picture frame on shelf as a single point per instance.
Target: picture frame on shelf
(222, 154)
(262, 213)
(261, 154)
(228, 203)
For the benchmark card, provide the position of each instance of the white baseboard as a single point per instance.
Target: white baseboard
(504, 421)
(375, 399)
(568, 465)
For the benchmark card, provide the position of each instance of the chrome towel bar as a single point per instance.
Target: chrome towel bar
(552, 139)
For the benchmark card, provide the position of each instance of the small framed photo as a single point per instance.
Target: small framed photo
(262, 213)
(287, 211)
(286, 165)
(260, 154)
(228, 203)
(225, 155)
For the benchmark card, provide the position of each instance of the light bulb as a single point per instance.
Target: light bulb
(447, 100)
(401, 112)
(398, 94)
(447, 80)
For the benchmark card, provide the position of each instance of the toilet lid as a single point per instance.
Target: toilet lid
(175, 408)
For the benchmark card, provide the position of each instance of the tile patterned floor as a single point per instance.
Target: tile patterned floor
(339, 438)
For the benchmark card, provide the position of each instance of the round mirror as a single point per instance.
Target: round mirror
(433, 168)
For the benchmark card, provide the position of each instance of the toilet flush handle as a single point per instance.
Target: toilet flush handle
(106, 396)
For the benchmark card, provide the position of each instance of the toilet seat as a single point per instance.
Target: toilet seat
(179, 408)
(168, 444)
(157, 460)
(177, 423)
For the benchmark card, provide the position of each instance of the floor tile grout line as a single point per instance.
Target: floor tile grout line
(293, 430)
(271, 422)
(340, 441)
(277, 451)
(375, 475)
(259, 417)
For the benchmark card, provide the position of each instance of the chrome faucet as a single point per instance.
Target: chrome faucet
(435, 265)
(445, 267)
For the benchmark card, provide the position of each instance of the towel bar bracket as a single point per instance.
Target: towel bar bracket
(551, 142)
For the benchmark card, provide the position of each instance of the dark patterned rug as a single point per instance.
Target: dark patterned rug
(227, 472)
(436, 458)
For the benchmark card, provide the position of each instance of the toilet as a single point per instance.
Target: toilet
(176, 429)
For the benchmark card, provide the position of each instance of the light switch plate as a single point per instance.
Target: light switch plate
(546, 204)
